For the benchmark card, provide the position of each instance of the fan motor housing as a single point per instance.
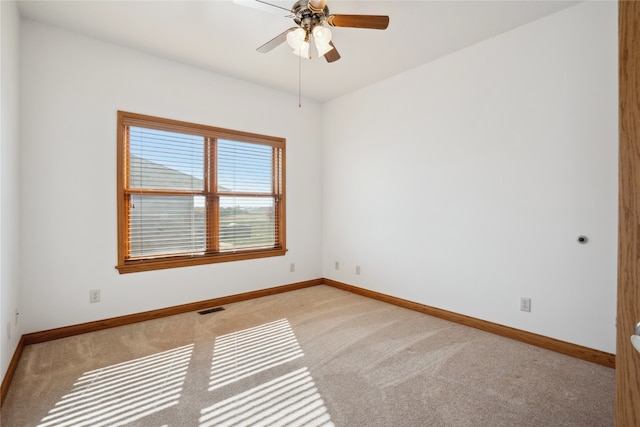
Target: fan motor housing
(307, 18)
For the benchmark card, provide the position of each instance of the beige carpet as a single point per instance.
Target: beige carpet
(314, 357)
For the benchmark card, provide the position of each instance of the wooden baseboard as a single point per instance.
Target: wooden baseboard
(574, 350)
(68, 331)
(6, 381)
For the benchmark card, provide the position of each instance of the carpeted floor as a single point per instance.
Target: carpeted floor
(314, 357)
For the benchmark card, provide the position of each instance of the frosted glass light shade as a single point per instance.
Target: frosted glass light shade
(303, 50)
(321, 35)
(296, 37)
(323, 49)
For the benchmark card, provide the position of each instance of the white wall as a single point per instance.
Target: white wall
(461, 184)
(464, 183)
(71, 88)
(10, 329)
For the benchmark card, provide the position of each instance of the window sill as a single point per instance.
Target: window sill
(186, 261)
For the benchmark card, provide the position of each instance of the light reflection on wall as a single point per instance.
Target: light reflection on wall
(290, 400)
(122, 393)
(244, 353)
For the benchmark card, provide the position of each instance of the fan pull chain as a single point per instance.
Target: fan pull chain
(299, 81)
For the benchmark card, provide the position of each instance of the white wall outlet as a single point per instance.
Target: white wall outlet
(94, 295)
(8, 330)
(525, 304)
(292, 267)
(337, 265)
(357, 269)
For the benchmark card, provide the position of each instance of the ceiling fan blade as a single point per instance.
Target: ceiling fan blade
(374, 22)
(261, 5)
(332, 55)
(275, 42)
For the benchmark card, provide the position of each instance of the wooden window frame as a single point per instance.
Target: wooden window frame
(211, 193)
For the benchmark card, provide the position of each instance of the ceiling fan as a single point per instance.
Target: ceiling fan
(310, 16)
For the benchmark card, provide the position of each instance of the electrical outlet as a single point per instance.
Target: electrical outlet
(357, 269)
(525, 304)
(292, 267)
(337, 265)
(94, 295)
(8, 330)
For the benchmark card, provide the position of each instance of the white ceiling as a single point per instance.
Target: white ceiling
(222, 36)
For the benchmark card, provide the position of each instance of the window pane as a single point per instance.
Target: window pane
(166, 225)
(165, 160)
(244, 167)
(246, 222)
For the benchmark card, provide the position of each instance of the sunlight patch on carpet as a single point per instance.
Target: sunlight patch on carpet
(244, 353)
(122, 393)
(289, 400)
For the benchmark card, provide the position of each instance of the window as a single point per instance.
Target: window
(191, 194)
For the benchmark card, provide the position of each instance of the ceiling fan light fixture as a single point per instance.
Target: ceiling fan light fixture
(296, 38)
(323, 49)
(303, 50)
(321, 35)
